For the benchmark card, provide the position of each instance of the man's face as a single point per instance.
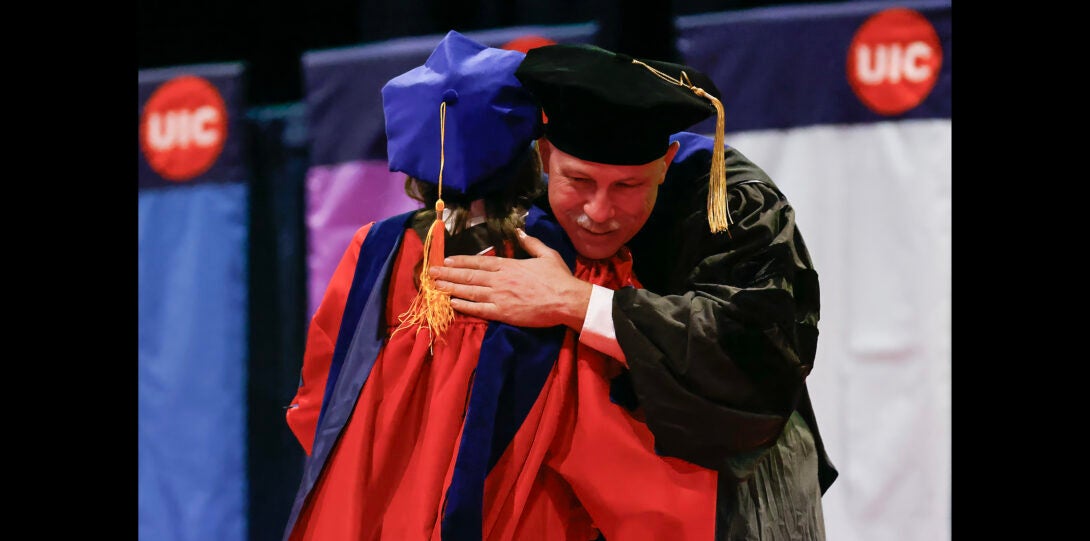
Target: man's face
(601, 206)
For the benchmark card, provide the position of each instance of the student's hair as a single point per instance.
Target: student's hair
(505, 209)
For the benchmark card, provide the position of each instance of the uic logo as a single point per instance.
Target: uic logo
(894, 60)
(183, 128)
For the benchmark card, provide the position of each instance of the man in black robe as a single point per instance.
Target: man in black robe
(719, 341)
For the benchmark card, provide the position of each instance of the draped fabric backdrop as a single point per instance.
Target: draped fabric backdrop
(848, 107)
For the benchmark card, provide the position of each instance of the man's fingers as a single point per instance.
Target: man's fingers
(479, 262)
(460, 291)
(470, 276)
(483, 310)
(533, 246)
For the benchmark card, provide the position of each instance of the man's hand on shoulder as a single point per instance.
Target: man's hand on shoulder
(535, 292)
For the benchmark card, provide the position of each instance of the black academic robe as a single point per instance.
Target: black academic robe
(720, 341)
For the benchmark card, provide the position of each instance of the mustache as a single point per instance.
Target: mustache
(587, 223)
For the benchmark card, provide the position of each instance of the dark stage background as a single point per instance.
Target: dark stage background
(270, 36)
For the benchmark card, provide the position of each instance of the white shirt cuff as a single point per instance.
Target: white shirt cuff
(598, 331)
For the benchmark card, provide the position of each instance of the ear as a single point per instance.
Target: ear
(668, 158)
(544, 149)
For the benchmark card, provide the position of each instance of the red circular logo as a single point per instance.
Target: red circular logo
(523, 44)
(894, 60)
(183, 127)
(526, 42)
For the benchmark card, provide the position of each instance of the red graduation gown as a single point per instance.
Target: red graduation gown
(578, 464)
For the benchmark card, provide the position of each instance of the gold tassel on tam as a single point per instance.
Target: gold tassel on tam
(431, 308)
(718, 214)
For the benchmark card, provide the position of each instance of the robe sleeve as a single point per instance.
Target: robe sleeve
(719, 359)
(302, 413)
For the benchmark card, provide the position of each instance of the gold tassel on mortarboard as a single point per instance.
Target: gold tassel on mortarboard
(718, 213)
(431, 308)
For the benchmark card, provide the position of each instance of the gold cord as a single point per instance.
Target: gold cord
(431, 308)
(718, 213)
(442, 152)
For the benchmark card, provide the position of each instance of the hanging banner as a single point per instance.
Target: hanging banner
(193, 304)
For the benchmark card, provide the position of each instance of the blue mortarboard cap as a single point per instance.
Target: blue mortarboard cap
(491, 120)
